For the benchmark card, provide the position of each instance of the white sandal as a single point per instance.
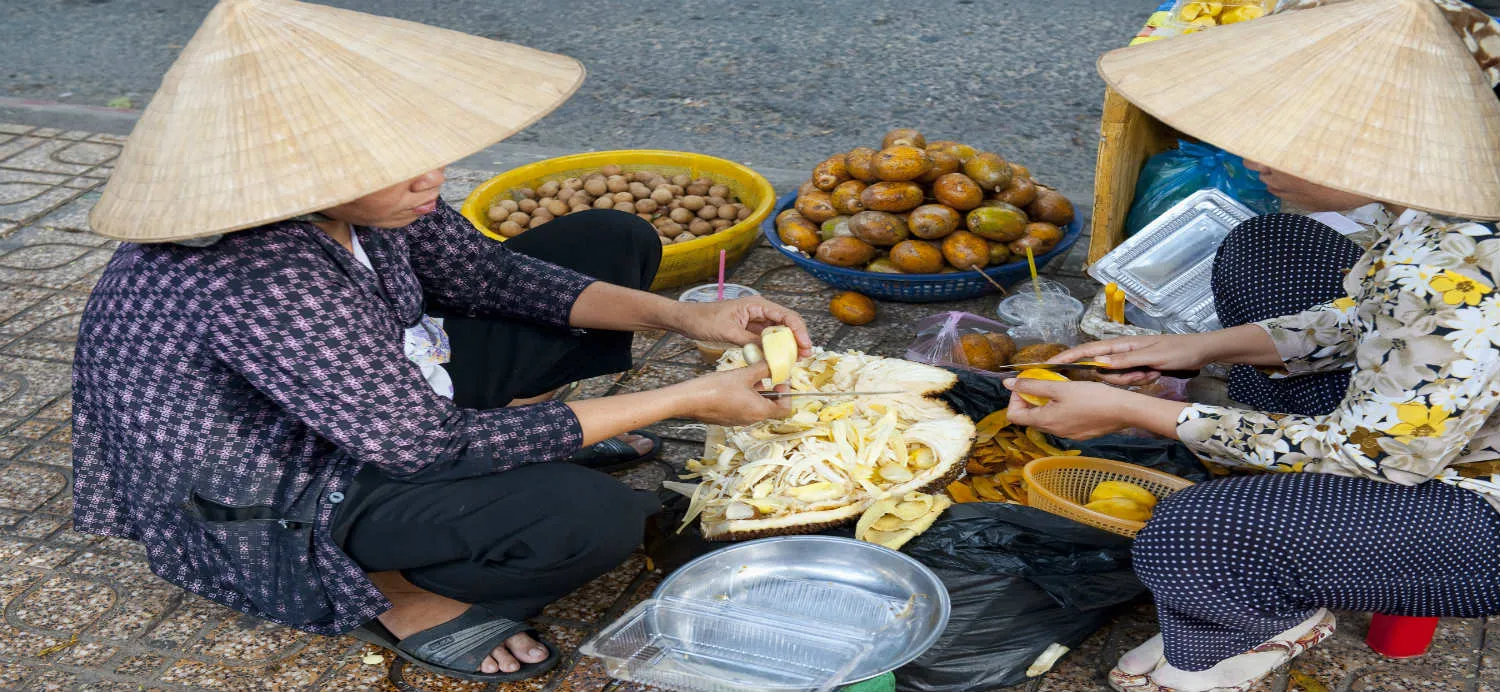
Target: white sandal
(1323, 625)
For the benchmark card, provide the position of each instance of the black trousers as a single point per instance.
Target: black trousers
(1276, 265)
(521, 539)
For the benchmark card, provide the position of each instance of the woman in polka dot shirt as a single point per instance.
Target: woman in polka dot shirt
(1370, 377)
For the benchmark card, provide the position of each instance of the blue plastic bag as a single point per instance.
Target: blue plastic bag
(1172, 175)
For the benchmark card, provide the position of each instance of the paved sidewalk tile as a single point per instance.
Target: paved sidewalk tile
(85, 612)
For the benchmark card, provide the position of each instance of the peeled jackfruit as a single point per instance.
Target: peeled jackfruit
(1127, 490)
(1121, 508)
(780, 350)
(1039, 374)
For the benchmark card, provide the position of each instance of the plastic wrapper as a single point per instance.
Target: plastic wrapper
(1175, 174)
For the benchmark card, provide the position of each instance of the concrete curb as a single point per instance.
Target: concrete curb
(495, 159)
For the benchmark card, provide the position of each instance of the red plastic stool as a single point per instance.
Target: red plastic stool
(1399, 636)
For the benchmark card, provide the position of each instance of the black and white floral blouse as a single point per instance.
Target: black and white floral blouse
(1420, 332)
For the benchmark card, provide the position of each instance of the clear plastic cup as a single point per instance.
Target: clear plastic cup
(710, 351)
(1047, 286)
(1052, 319)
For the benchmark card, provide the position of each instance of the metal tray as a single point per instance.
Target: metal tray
(845, 587)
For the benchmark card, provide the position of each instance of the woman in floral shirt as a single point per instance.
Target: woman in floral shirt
(1374, 395)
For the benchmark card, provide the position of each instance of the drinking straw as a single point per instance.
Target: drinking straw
(722, 254)
(1036, 284)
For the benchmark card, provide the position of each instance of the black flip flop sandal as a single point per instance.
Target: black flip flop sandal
(457, 647)
(616, 454)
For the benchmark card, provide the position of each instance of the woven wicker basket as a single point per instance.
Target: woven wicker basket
(1061, 485)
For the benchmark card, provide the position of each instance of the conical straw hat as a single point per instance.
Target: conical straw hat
(278, 108)
(1374, 97)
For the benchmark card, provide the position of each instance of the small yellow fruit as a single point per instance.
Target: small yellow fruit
(1039, 374)
(1121, 508)
(1127, 490)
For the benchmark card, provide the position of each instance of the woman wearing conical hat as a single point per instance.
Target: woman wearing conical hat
(263, 394)
(1381, 367)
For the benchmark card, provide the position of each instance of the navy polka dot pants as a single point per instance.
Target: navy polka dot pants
(1234, 562)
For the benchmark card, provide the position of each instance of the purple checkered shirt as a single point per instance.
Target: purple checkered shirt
(224, 396)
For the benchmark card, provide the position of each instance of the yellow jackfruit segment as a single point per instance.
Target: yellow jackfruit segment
(779, 345)
(1121, 508)
(1127, 490)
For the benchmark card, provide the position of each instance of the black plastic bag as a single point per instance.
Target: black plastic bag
(1020, 580)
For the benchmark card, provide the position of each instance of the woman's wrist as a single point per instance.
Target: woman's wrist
(1152, 414)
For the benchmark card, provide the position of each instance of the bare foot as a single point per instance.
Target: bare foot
(415, 609)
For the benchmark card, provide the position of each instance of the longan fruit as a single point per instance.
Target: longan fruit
(610, 170)
(639, 190)
(720, 224)
(526, 193)
(661, 195)
(708, 213)
(693, 202)
(623, 197)
(744, 213)
(566, 194)
(681, 215)
(548, 188)
(683, 238)
(700, 227)
(519, 218)
(527, 205)
(628, 207)
(596, 186)
(574, 182)
(605, 202)
(509, 205)
(682, 180)
(511, 229)
(717, 201)
(666, 241)
(617, 184)
(579, 207)
(671, 229)
(498, 213)
(646, 206)
(698, 189)
(557, 207)
(644, 217)
(719, 191)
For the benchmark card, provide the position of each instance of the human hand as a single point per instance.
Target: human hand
(732, 397)
(740, 321)
(1075, 410)
(1148, 356)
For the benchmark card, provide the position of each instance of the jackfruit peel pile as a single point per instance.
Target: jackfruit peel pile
(834, 458)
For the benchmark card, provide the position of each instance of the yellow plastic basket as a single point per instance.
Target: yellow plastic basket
(1061, 485)
(692, 262)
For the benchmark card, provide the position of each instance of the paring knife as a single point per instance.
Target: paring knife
(788, 395)
(1090, 367)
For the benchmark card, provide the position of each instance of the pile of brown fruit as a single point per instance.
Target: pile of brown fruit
(680, 207)
(916, 207)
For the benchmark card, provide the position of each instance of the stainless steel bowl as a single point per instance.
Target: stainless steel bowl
(850, 587)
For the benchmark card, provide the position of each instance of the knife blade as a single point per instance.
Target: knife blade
(788, 395)
(1091, 367)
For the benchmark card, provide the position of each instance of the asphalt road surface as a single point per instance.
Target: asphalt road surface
(775, 83)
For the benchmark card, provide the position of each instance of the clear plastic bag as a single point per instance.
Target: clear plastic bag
(937, 340)
(1175, 174)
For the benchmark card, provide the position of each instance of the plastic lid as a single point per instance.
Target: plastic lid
(709, 293)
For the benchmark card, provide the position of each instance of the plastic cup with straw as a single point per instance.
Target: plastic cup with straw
(720, 290)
